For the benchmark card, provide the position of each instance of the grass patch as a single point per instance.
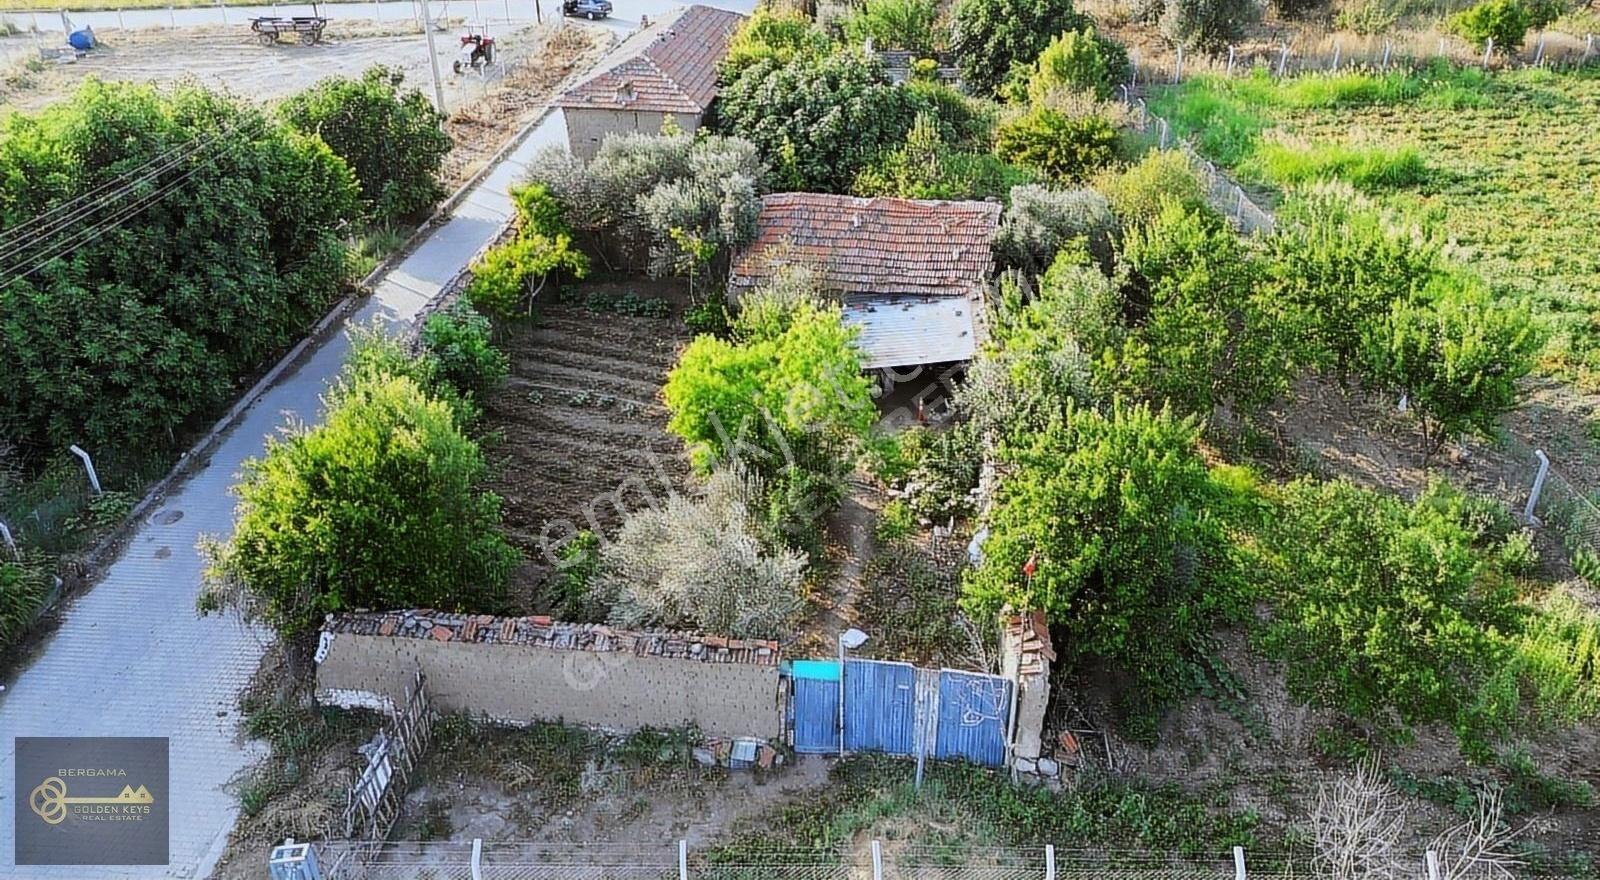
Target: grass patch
(1369, 169)
(374, 246)
(961, 807)
(1509, 172)
(908, 604)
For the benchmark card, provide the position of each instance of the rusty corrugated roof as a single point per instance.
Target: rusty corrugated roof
(668, 67)
(874, 245)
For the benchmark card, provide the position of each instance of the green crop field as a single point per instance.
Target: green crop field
(1507, 165)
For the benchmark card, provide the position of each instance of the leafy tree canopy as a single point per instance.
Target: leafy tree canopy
(992, 36)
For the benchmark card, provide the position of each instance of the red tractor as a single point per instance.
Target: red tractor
(477, 49)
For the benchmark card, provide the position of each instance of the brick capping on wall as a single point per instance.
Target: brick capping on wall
(545, 632)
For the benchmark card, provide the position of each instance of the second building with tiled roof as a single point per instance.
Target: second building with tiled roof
(667, 69)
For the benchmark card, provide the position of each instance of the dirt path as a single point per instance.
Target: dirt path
(850, 544)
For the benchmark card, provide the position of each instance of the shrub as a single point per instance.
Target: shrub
(1138, 192)
(1074, 60)
(943, 471)
(698, 564)
(1504, 21)
(964, 123)
(924, 168)
(1206, 24)
(1039, 222)
(772, 34)
(572, 586)
(895, 24)
(1368, 18)
(22, 594)
(1061, 147)
(458, 340)
(393, 140)
(817, 121)
(990, 37)
(895, 522)
(380, 506)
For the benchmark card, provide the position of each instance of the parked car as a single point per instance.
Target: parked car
(590, 9)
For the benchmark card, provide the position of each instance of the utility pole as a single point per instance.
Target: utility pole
(433, 57)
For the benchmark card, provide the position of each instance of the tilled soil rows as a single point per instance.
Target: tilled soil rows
(581, 432)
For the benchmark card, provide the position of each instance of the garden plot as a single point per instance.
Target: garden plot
(581, 432)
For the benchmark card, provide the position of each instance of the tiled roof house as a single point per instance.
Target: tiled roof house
(912, 273)
(668, 68)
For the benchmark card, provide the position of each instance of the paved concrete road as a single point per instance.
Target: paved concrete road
(132, 659)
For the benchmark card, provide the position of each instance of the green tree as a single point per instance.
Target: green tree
(378, 507)
(1210, 333)
(1039, 222)
(393, 139)
(1342, 265)
(794, 397)
(1139, 192)
(1504, 21)
(1456, 353)
(993, 36)
(772, 34)
(817, 121)
(1101, 522)
(510, 275)
(146, 326)
(1384, 611)
(1206, 24)
(895, 24)
(1073, 61)
(1060, 146)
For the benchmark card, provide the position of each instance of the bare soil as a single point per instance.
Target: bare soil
(579, 429)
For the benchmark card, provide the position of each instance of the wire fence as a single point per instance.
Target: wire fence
(1407, 51)
(870, 860)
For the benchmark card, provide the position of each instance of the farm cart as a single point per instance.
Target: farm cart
(269, 28)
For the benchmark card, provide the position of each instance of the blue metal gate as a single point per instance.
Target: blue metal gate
(963, 715)
(816, 707)
(973, 711)
(879, 706)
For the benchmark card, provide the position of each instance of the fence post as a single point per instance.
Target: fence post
(5, 535)
(1388, 46)
(1165, 130)
(121, 25)
(1538, 51)
(1177, 68)
(1133, 71)
(1238, 863)
(1049, 861)
(1488, 47)
(683, 860)
(477, 858)
(1338, 49)
(1441, 47)
(94, 479)
(1433, 865)
(1283, 59)
(1588, 47)
(172, 17)
(1538, 486)
(1230, 61)
(1238, 203)
(877, 861)
(377, 8)
(224, 8)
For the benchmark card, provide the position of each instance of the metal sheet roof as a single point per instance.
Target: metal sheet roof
(906, 330)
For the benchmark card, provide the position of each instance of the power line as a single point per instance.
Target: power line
(38, 240)
(89, 234)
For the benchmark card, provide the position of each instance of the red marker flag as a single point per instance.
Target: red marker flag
(1031, 566)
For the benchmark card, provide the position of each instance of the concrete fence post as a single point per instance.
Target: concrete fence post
(121, 25)
(172, 17)
(1283, 60)
(1230, 60)
(1388, 47)
(5, 535)
(1588, 47)
(683, 860)
(1165, 130)
(1432, 861)
(477, 858)
(1488, 49)
(1238, 863)
(1177, 67)
(377, 9)
(1338, 49)
(877, 861)
(1538, 51)
(222, 6)
(1538, 486)
(1049, 861)
(88, 466)
(1441, 47)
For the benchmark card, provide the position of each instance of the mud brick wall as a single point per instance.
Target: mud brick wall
(524, 669)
